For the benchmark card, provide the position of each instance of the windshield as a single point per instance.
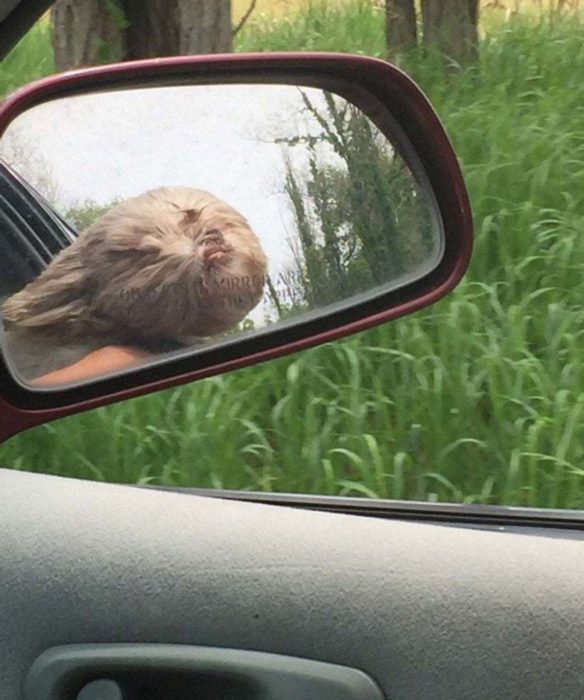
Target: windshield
(476, 399)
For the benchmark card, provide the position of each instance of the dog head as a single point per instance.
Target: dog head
(173, 264)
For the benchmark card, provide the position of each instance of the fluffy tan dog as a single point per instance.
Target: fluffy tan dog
(160, 270)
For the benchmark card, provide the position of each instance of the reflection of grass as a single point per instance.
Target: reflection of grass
(480, 397)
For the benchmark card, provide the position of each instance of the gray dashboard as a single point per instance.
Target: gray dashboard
(427, 611)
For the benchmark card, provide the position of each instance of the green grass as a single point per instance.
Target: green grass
(479, 398)
(356, 27)
(31, 59)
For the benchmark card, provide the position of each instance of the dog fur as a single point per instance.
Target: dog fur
(164, 269)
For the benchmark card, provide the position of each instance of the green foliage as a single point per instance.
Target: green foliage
(116, 14)
(105, 52)
(356, 26)
(31, 58)
(478, 398)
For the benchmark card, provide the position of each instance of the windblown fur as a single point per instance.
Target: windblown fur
(168, 267)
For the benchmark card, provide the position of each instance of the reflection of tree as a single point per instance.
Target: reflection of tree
(83, 215)
(361, 218)
(25, 159)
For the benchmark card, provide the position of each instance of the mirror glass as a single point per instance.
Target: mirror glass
(199, 213)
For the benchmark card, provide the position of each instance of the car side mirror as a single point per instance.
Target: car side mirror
(214, 212)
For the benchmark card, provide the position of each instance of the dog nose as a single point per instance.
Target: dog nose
(212, 236)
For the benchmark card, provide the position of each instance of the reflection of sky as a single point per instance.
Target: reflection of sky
(99, 147)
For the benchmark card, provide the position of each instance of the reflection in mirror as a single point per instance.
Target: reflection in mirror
(205, 212)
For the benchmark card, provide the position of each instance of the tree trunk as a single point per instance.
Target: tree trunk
(170, 27)
(400, 26)
(452, 27)
(152, 28)
(85, 33)
(94, 31)
(205, 26)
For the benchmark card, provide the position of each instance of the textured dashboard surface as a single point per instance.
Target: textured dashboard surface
(428, 611)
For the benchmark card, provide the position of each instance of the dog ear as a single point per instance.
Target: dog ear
(55, 298)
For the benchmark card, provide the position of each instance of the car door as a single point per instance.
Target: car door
(112, 591)
(423, 609)
(32, 232)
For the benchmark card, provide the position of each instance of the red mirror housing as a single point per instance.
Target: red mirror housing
(399, 110)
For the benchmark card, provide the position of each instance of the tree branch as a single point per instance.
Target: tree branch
(245, 17)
